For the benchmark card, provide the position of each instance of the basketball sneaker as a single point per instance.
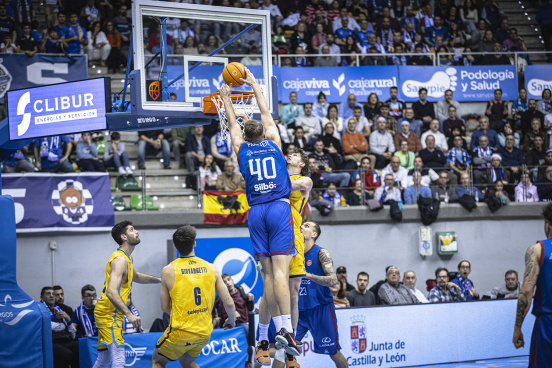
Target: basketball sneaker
(262, 356)
(286, 340)
(291, 362)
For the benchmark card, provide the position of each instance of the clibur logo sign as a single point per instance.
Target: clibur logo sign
(537, 79)
(58, 109)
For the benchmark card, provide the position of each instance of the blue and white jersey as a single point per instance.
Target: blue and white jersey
(312, 294)
(542, 303)
(264, 168)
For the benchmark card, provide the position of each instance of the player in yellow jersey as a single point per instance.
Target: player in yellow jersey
(188, 287)
(111, 307)
(299, 173)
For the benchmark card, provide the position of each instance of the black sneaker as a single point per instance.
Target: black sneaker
(286, 340)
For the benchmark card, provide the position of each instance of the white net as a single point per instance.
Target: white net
(244, 105)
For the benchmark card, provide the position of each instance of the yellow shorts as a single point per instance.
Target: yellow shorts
(297, 264)
(175, 343)
(110, 333)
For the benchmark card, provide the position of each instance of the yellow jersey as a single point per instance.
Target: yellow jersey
(105, 312)
(193, 295)
(297, 202)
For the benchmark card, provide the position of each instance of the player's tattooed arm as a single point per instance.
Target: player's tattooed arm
(142, 278)
(327, 265)
(532, 270)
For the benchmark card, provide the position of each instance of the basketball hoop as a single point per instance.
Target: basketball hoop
(243, 102)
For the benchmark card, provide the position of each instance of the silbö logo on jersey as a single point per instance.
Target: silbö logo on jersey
(265, 187)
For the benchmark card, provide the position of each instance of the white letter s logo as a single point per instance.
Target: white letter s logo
(21, 105)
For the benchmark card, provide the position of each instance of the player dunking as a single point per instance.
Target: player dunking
(538, 271)
(111, 307)
(299, 172)
(188, 287)
(316, 306)
(270, 223)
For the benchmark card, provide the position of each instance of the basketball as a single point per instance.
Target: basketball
(232, 74)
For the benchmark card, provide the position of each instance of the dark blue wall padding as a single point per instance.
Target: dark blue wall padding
(25, 331)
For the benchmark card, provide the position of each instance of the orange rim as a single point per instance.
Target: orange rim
(236, 95)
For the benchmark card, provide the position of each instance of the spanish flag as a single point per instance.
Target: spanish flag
(223, 208)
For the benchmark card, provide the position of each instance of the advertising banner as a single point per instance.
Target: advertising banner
(537, 79)
(405, 336)
(58, 109)
(20, 71)
(468, 83)
(337, 83)
(227, 348)
(60, 202)
(234, 257)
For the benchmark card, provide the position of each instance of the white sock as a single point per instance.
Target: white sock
(278, 323)
(103, 360)
(117, 356)
(280, 355)
(263, 332)
(286, 322)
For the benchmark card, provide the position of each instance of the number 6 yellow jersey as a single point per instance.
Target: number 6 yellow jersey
(193, 295)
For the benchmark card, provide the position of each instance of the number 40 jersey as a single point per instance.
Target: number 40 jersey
(264, 168)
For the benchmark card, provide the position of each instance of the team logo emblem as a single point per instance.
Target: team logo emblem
(154, 90)
(73, 202)
(326, 340)
(132, 354)
(358, 333)
(5, 79)
(10, 315)
(309, 262)
(240, 265)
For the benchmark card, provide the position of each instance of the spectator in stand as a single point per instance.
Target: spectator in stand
(87, 155)
(497, 57)
(16, 162)
(22, 11)
(75, 35)
(325, 59)
(49, 154)
(456, 132)
(428, 175)
(373, 59)
(346, 108)
(357, 10)
(320, 107)
(445, 291)
(512, 157)
(545, 105)
(399, 173)
(482, 157)
(409, 280)
(61, 22)
(343, 32)
(352, 49)
(153, 141)
(124, 27)
(409, 17)
(354, 197)
(440, 140)
(496, 171)
(276, 17)
(338, 22)
(497, 111)
(83, 317)
(536, 156)
(292, 111)
(469, 16)
(178, 142)
(443, 191)
(334, 49)
(208, 173)
(492, 13)
(197, 146)
(392, 292)
(116, 156)
(324, 161)
(309, 123)
(542, 169)
(387, 191)
(486, 43)
(406, 157)
(514, 40)
(484, 130)
(98, 47)
(386, 13)
(230, 181)
(525, 191)
(391, 121)
(355, 145)
(7, 24)
(363, 125)
(530, 136)
(453, 121)
(464, 188)
(414, 143)
(432, 157)
(333, 196)
(7, 46)
(465, 285)
(519, 106)
(331, 143)
(90, 14)
(396, 106)
(362, 35)
(458, 158)
(27, 44)
(115, 58)
(419, 59)
(544, 187)
(412, 192)
(65, 348)
(60, 300)
(361, 296)
(335, 120)
(544, 18)
(221, 149)
(399, 49)
(371, 178)
(442, 107)
(372, 108)
(53, 44)
(436, 30)
(508, 291)
(528, 116)
(424, 112)
(503, 32)
(385, 35)
(381, 143)
(244, 302)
